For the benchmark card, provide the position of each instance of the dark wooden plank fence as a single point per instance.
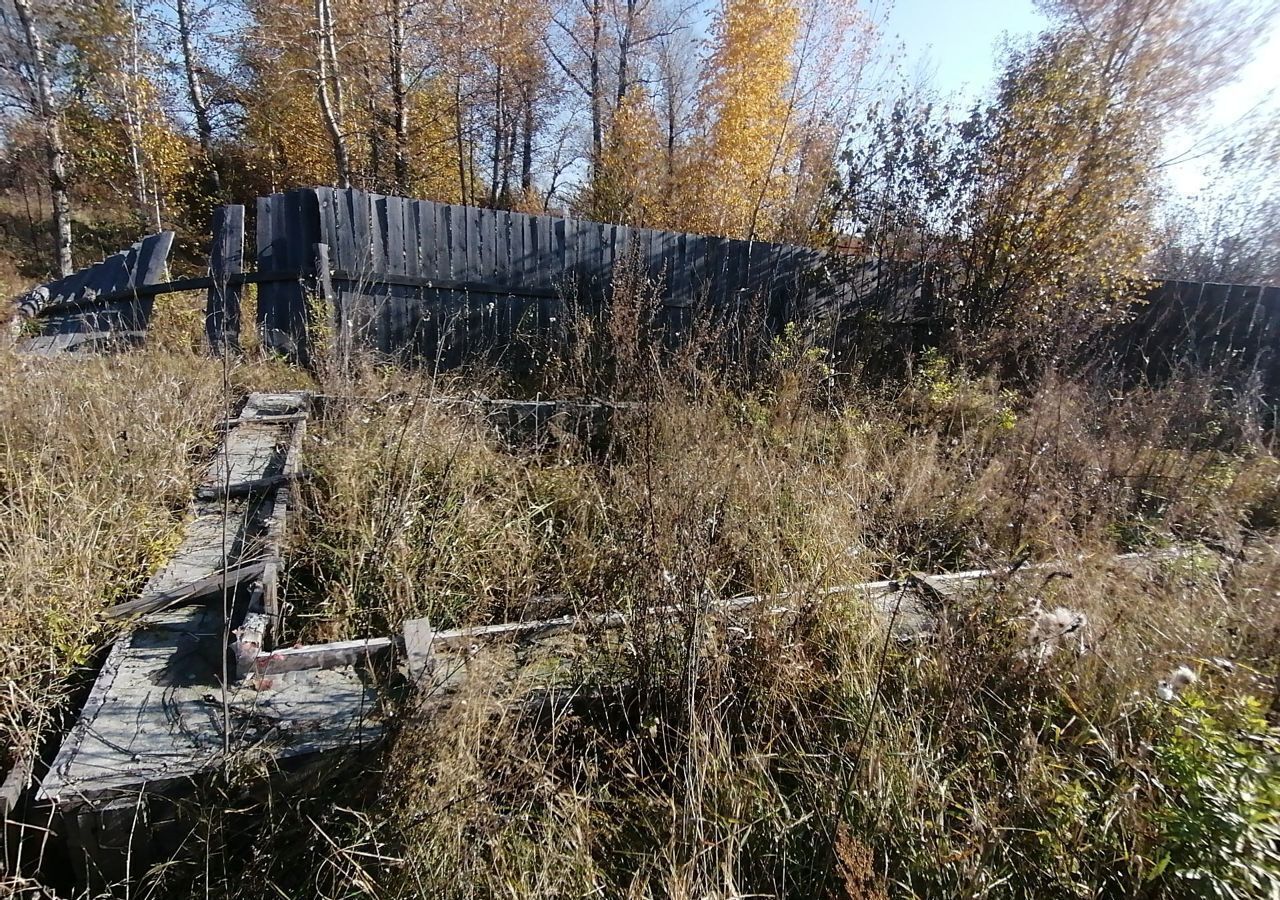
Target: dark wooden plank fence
(445, 283)
(440, 284)
(99, 304)
(1220, 328)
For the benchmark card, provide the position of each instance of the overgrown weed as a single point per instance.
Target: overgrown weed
(804, 755)
(811, 756)
(97, 459)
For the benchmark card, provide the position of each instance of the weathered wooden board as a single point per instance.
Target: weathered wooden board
(223, 580)
(908, 608)
(156, 712)
(339, 654)
(288, 230)
(226, 258)
(1233, 330)
(157, 716)
(251, 451)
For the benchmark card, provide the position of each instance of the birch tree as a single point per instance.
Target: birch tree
(191, 68)
(399, 92)
(329, 89)
(114, 63)
(47, 111)
(750, 126)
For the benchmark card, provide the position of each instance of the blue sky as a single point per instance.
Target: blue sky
(958, 42)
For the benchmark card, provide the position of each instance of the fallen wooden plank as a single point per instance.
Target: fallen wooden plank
(148, 722)
(770, 603)
(881, 594)
(293, 453)
(487, 403)
(227, 580)
(254, 449)
(114, 278)
(54, 344)
(275, 531)
(156, 719)
(180, 285)
(97, 700)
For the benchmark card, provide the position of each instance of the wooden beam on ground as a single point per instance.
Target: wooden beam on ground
(285, 498)
(884, 597)
(148, 723)
(55, 344)
(359, 652)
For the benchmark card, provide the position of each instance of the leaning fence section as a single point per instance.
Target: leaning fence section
(105, 303)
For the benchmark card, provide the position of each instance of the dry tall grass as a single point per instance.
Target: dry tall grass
(812, 757)
(802, 756)
(97, 460)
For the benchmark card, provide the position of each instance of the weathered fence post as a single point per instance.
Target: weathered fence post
(226, 258)
(332, 307)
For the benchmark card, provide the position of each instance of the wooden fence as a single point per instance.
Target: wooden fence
(442, 282)
(1221, 328)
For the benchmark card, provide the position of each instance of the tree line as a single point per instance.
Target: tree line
(665, 111)
(763, 119)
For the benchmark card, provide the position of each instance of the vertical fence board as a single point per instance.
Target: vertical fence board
(267, 262)
(456, 304)
(424, 233)
(651, 251)
(389, 260)
(431, 233)
(525, 274)
(505, 312)
(560, 278)
(226, 258)
(341, 347)
(489, 272)
(412, 229)
(590, 248)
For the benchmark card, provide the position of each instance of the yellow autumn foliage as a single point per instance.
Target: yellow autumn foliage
(631, 175)
(1062, 196)
(122, 136)
(740, 185)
